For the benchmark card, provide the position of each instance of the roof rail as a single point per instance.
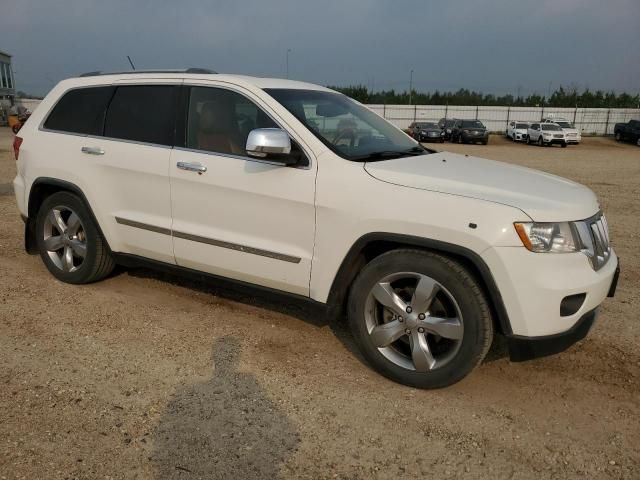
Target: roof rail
(204, 71)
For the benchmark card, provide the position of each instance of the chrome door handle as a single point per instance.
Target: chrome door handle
(92, 150)
(192, 167)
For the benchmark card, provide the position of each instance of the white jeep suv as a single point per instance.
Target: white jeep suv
(299, 189)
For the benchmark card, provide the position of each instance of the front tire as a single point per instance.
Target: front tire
(618, 137)
(540, 141)
(420, 318)
(69, 242)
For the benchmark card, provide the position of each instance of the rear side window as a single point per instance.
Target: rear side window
(80, 111)
(142, 113)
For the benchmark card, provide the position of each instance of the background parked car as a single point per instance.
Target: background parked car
(629, 131)
(517, 131)
(426, 132)
(572, 134)
(469, 131)
(446, 124)
(546, 134)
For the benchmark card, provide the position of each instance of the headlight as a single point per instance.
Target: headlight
(465, 130)
(547, 237)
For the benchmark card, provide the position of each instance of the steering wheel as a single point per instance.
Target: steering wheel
(348, 134)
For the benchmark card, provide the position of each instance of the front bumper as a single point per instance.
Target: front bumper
(534, 285)
(469, 137)
(519, 137)
(523, 348)
(528, 348)
(429, 138)
(553, 141)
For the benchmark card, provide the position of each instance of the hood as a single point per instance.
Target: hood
(542, 196)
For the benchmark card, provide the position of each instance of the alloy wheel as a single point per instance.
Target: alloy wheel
(414, 321)
(65, 238)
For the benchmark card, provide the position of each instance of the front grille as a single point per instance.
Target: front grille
(594, 239)
(572, 134)
(558, 135)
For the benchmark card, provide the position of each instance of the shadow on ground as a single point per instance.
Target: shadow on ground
(226, 427)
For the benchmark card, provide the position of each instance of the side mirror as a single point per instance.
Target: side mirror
(271, 144)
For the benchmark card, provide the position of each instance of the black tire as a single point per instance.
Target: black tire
(540, 141)
(485, 142)
(564, 145)
(473, 306)
(98, 261)
(460, 139)
(618, 136)
(528, 140)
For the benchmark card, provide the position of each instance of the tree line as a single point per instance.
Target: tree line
(562, 97)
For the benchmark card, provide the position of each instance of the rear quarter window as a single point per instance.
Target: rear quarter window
(80, 111)
(142, 113)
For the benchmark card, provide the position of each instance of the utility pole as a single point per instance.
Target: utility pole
(410, 87)
(288, 52)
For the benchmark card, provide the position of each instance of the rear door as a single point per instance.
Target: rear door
(234, 215)
(131, 168)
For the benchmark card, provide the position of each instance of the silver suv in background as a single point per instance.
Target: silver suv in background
(571, 133)
(545, 134)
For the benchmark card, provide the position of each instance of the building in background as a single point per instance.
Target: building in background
(7, 86)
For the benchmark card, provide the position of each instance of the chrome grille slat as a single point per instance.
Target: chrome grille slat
(594, 237)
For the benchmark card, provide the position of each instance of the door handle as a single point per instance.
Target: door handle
(192, 167)
(92, 150)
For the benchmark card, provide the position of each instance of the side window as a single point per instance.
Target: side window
(220, 120)
(142, 113)
(80, 111)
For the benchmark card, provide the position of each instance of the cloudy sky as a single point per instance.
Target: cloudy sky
(496, 46)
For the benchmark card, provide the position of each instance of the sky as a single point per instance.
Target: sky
(495, 46)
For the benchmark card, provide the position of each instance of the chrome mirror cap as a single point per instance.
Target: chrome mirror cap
(264, 141)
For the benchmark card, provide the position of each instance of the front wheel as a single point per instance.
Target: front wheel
(618, 136)
(420, 318)
(528, 140)
(70, 244)
(540, 141)
(564, 145)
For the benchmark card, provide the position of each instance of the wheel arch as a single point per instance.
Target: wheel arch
(371, 245)
(41, 188)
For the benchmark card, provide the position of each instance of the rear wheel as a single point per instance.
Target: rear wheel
(420, 318)
(69, 242)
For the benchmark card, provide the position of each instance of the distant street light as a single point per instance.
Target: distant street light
(288, 52)
(410, 87)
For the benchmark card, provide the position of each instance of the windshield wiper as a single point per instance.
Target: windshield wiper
(389, 154)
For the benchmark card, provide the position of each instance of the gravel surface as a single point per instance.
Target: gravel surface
(146, 375)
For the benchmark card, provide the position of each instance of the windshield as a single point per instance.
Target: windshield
(472, 124)
(523, 126)
(346, 127)
(553, 128)
(565, 124)
(427, 125)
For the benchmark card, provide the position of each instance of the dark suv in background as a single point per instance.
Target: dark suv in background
(469, 131)
(446, 125)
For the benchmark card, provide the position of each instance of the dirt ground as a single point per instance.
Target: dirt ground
(147, 375)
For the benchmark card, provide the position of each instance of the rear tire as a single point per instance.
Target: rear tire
(70, 244)
(420, 358)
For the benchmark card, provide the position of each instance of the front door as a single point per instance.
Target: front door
(234, 215)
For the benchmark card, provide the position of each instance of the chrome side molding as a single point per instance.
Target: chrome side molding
(209, 241)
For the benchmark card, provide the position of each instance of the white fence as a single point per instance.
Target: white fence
(591, 121)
